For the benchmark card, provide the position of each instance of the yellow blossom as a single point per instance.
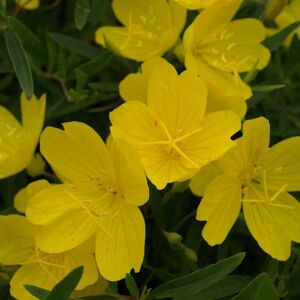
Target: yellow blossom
(218, 49)
(18, 142)
(256, 178)
(134, 87)
(150, 28)
(172, 133)
(103, 187)
(36, 267)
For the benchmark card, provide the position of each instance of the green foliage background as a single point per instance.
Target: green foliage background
(81, 81)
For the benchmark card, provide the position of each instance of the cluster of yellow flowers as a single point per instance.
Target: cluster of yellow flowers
(172, 128)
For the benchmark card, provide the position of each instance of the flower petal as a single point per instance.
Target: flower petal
(130, 173)
(24, 195)
(77, 153)
(123, 249)
(171, 97)
(214, 139)
(220, 208)
(16, 239)
(282, 164)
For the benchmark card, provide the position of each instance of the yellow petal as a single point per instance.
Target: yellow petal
(282, 164)
(150, 14)
(273, 224)
(96, 289)
(196, 4)
(66, 232)
(134, 122)
(16, 239)
(130, 173)
(33, 116)
(251, 147)
(123, 249)
(51, 203)
(220, 84)
(214, 138)
(49, 269)
(216, 15)
(171, 97)
(220, 208)
(151, 28)
(77, 153)
(37, 166)
(24, 195)
(200, 181)
(11, 137)
(138, 46)
(134, 87)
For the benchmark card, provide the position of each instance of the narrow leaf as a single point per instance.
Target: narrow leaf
(66, 286)
(82, 11)
(274, 42)
(37, 292)
(267, 88)
(261, 288)
(30, 41)
(131, 286)
(197, 281)
(75, 46)
(19, 61)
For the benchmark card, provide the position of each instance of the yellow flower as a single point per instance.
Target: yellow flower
(218, 49)
(39, 268)
(18, 142)
(257, 178)
(150, 28)
(171, 132)
(196, 4)
(28, 4)
(134, 87)
(289, 15)
(103, 187)
(22, 198)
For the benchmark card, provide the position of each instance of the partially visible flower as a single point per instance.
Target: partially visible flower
(171, 131)
(256, 178)
(28, 4)
(150, 28)
(17, 238)
(18, 142)
(103, 187)
(218, 49)
(134, 87)
(196, 4)
(290, 14)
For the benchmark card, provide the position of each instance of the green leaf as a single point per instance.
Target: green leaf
(37, 292)
(131, 286)
(229, 286)
(81, 14)
(197, 281)
(261, 288)
(66, 286)
(19, 61)
(75, 46)
(267, 88)
(30, 41)
(97, 64)
(274, 42)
